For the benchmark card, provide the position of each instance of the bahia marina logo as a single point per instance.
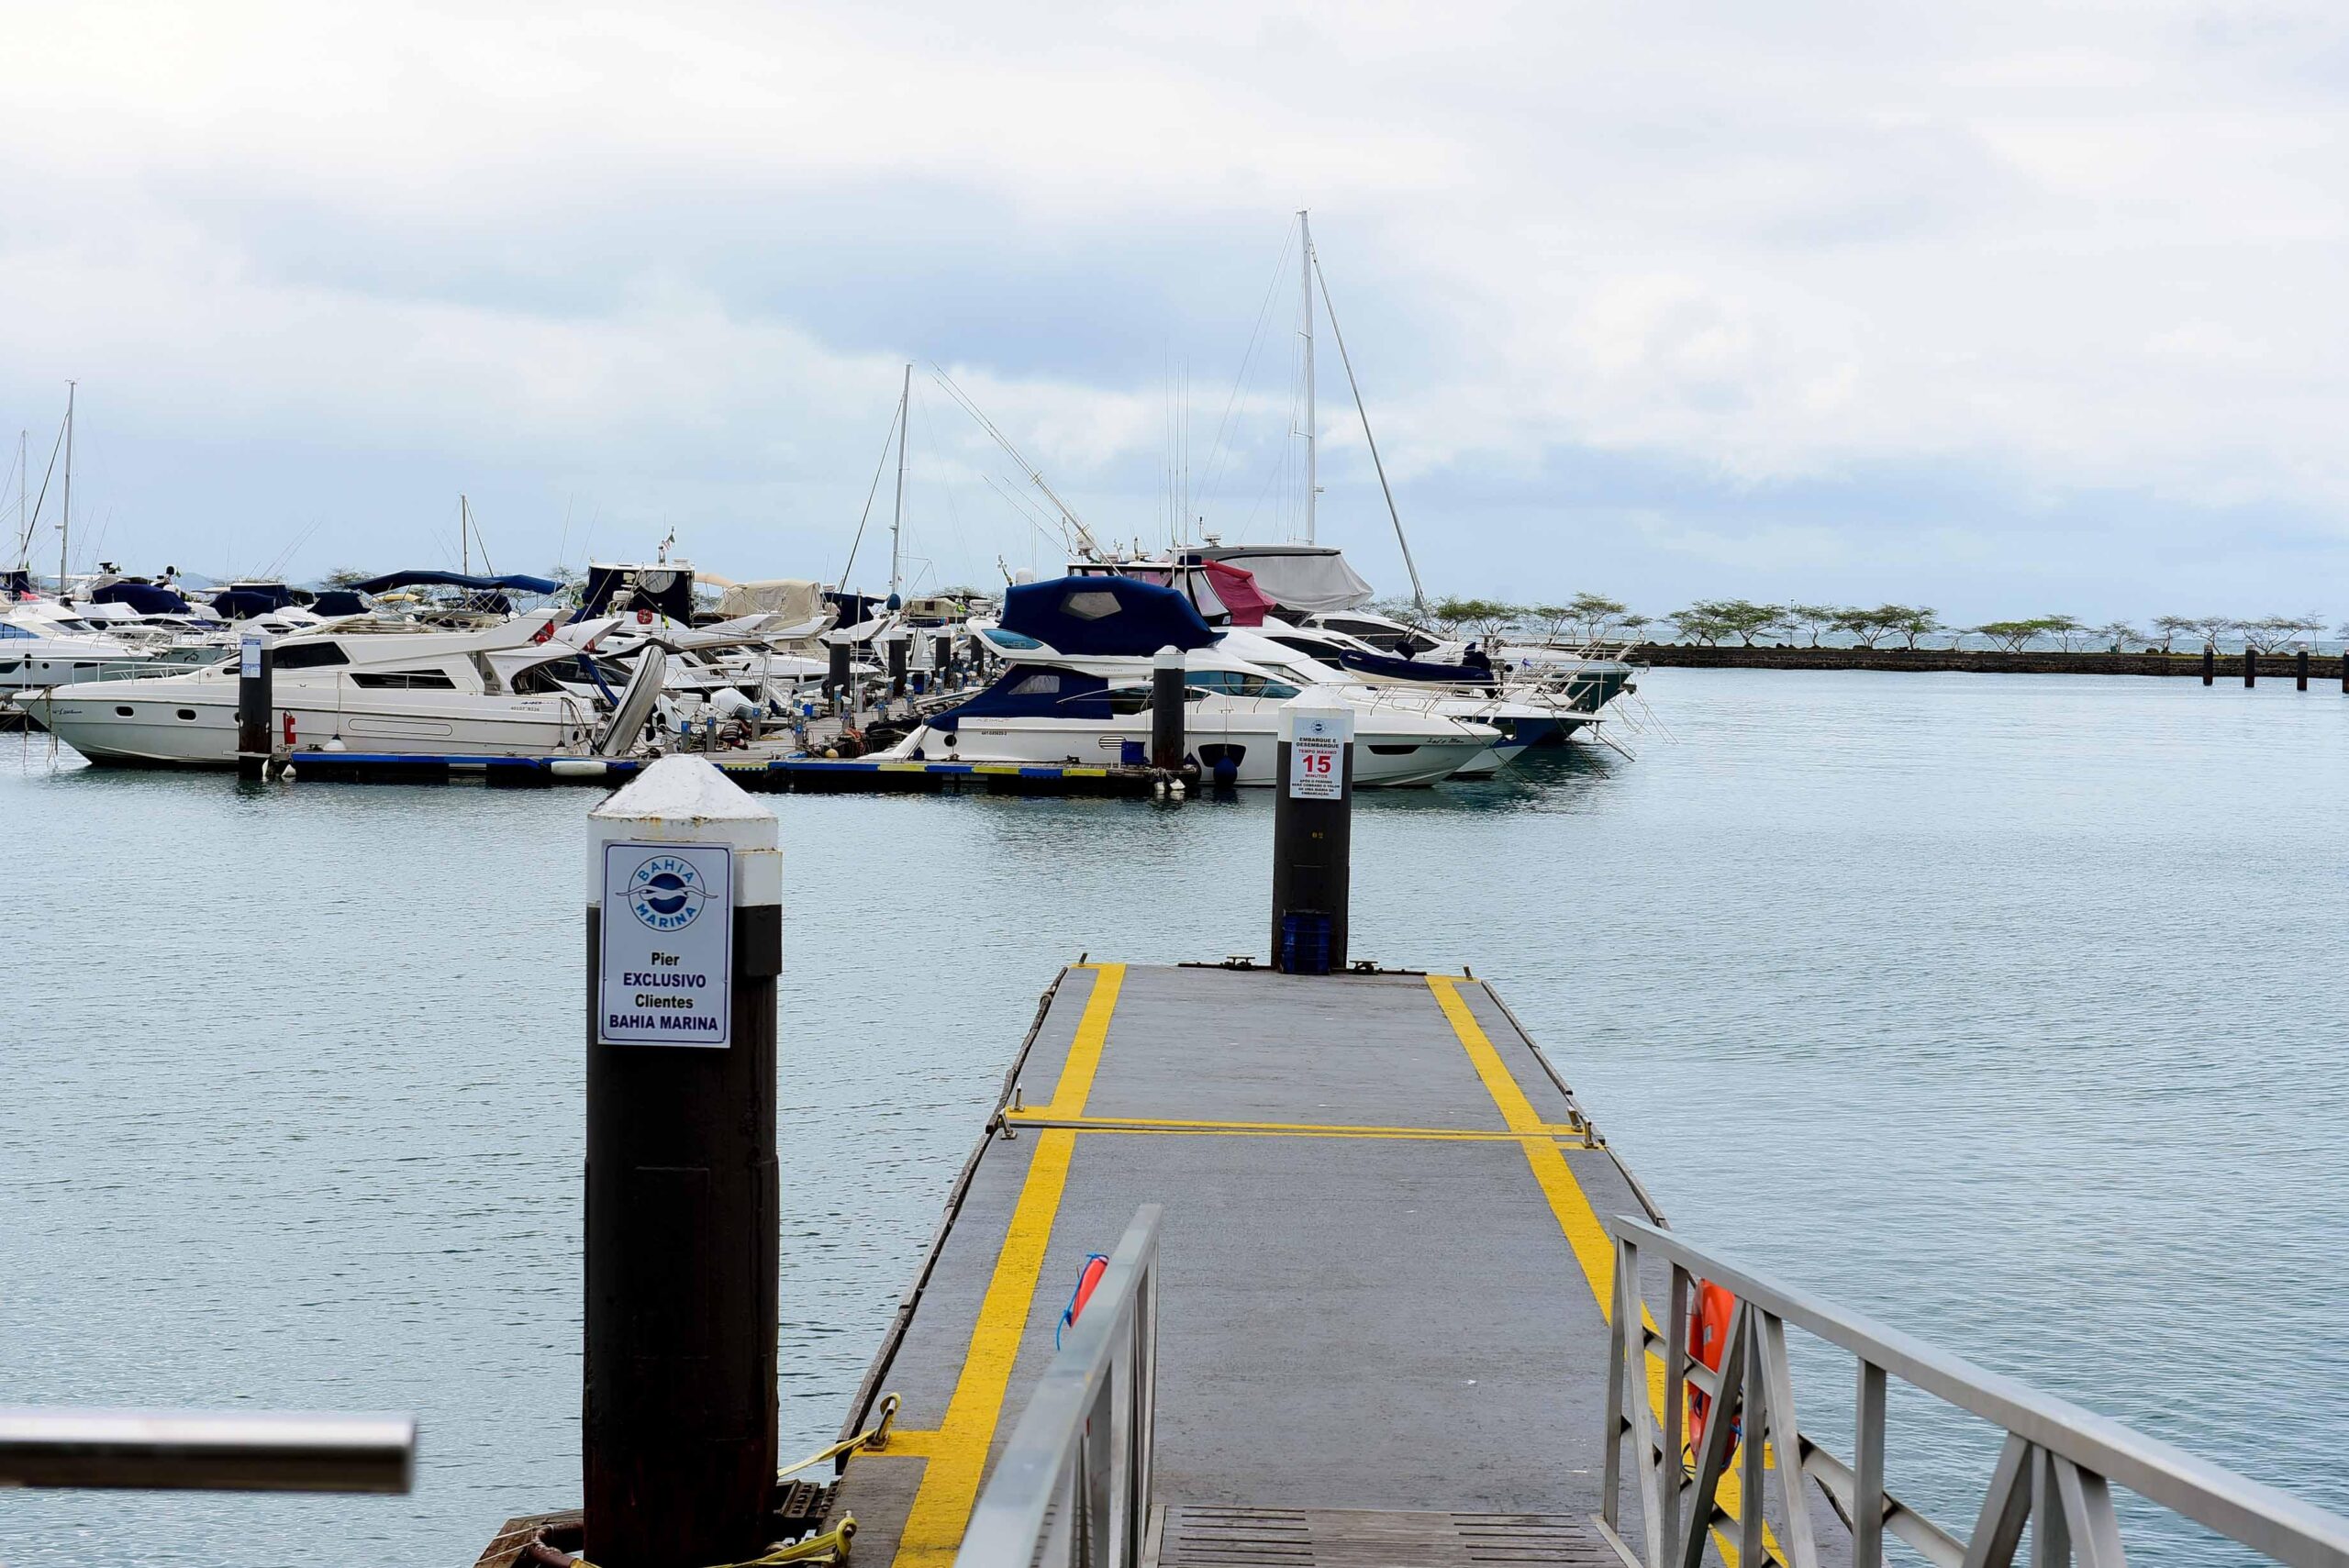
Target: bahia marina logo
(667, 893)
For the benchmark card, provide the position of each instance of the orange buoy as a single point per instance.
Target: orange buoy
(1708, 1337)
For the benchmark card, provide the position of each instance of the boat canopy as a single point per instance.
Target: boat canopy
(793, 598)
(1305, 578)
(1378, 666)
(243, 604)
(339, 602)
(1028, 691)
(1230, 590)
(512, 582)
(1104, 616)
(664, 587)
(145, 599)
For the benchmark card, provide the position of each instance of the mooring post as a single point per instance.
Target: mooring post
(836, 675)
(2300, 669)
(2210, 662)
(2250, 665)
(684, 940)
(1313, 800)
(255, 698)
(897, 662)
(1167, 727)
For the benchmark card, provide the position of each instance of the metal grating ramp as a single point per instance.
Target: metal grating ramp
(1204, 1537)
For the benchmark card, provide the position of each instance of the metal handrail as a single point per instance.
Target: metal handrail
(1072, 1484)
(194, 1450)
(2053, 1473)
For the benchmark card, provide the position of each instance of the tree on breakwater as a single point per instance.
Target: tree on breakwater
(1590, 618)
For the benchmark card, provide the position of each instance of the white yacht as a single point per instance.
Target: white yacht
(1076, 687)
(497, 692)
(44, 644)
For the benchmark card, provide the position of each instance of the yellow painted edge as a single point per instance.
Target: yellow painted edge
(958, 1450)
(1288, 1128)
(995, 767)
(1593, 1248)
(902, 767)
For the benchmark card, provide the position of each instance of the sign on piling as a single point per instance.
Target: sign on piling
(1316, 756)
(668, 944)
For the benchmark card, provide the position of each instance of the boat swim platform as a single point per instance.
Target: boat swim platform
(769, 775)
(1382, 1263)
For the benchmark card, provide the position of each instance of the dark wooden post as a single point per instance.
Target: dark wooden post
(684, 940)
(1313, 801)
(2300, 669)
(897, 641)
(1166, 729)
(2210, 662)
(2250, 665)
(256, 699)
(835, 676)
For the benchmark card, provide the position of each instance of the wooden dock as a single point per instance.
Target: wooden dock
(1386, 1260)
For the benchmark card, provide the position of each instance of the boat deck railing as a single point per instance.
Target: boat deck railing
(2054, 1473)
(1072, 1488)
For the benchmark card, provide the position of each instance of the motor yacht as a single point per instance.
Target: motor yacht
(1077, 686)
(494, 692)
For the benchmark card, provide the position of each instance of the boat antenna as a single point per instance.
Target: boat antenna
(65, 527)
(1305, 330)
(1085, 543)
(1418, 595)
(897, 522)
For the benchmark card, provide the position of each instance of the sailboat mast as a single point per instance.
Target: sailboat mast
(898, 523)
(1305, 327)
(464, 535)
(66, 529)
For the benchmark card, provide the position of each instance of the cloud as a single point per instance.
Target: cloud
(1667, 300)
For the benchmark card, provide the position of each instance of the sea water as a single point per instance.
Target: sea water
(2005, 1008)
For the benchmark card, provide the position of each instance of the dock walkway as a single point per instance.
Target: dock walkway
(1382, 1271)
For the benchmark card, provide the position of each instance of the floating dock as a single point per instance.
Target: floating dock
(766, 775)
(1383, 1269)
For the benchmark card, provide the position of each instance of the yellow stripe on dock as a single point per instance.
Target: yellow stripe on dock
(1033, 1117)
(1594, 1249)
(957, 1451)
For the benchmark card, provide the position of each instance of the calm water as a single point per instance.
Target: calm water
(2008, 1008)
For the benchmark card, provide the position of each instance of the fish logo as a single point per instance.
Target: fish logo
(666, 893)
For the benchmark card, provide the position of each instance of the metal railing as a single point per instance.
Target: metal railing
(190, 1450)
(2054, 1473)
(1072, 1488)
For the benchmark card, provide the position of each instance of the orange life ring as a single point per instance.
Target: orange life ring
(1708, 1337)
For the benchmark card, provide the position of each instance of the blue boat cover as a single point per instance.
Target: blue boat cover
(1385, 668)
(144, 597)
(1105, 616)
(339, 602)
(516, 580)
(243, 604)
(1024, 691)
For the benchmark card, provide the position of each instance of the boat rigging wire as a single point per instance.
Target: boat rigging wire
(879, 469)
(1083, 539)
(1263, 314)
(1418, 594)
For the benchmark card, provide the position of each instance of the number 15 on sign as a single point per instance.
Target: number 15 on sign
(1314, 773)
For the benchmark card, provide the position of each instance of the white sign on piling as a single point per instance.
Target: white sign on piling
(1316, 747)
(248, 658)
(668, 933)
(671, 858)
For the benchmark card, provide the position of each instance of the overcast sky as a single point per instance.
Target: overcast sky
(2004, 308)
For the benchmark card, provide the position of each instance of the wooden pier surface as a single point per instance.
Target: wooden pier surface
(1382, 1271)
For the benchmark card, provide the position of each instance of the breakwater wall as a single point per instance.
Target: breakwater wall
(2185, 666)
